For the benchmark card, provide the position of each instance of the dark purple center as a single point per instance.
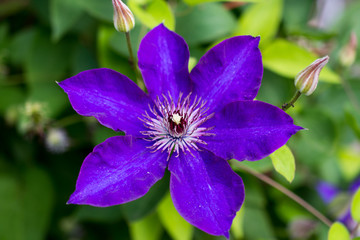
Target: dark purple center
(177, 127)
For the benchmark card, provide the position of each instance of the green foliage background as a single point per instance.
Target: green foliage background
(44, 41)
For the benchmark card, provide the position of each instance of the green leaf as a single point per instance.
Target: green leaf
(11, 225)
(268, 16)
(349, 160)
(262, 229)
(174, 224)
(107, 57)
(237, 227)
(38, 203)
(147, 228)
(10, 96)
(21, 44)
(355, 206)
(338, 231)
(157, 11)
(102, 10)
(195, 2)
(204, 23)
(141, 207)
(64, 14)
(288, 59)
(47, 63)
(96, 214)
(25, 205)
(284, 162)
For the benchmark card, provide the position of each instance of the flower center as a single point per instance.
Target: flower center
(176, 127)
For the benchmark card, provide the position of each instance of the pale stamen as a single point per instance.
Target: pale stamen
(175, 127)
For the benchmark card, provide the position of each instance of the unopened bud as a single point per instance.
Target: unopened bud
(348, 52)
(123, 18)
(307, 80)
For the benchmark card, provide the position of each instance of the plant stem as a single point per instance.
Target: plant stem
(133, 63)
(287, 192)
(353, 232)
(286, 106)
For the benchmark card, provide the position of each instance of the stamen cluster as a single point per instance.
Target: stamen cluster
(175, 127)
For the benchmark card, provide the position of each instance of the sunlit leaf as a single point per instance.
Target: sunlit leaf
(338, 231)
(349, 161)
(284, 162)
(237, 227)
(288, 59)
(148, 228)
(156, 12)
(174, 224)
(355, 206)
(268, 16)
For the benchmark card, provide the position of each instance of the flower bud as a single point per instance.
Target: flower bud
(123, 18)
(348, 52)
(307, 80)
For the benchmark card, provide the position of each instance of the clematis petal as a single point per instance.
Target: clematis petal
(110, 97)
(163, 60)
(230, 71)
(355, 185)
(327, 191)
(205, 191)
(119, 170)
(249, 130)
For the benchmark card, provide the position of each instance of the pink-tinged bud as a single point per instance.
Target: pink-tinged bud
(123, 18)
(348, 52)
(307, 80)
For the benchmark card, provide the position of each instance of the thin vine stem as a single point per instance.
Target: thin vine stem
(353, 232)
(139, 81)
(286, 106)
(287, 192)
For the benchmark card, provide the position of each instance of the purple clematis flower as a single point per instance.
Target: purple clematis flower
(190, 123)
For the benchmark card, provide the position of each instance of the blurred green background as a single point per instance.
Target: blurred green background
(43, 141)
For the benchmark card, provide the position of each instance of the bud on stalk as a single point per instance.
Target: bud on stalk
(348, 52)
(123, 18)
(307, 80)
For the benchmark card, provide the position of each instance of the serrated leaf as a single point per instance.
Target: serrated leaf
(146, 228)
(195, 2)
(284, 162)
(157, 12)
(64, 14)
(268, 16)
(355, 206)
(174, 224)
(338, 231)
(288, 59)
